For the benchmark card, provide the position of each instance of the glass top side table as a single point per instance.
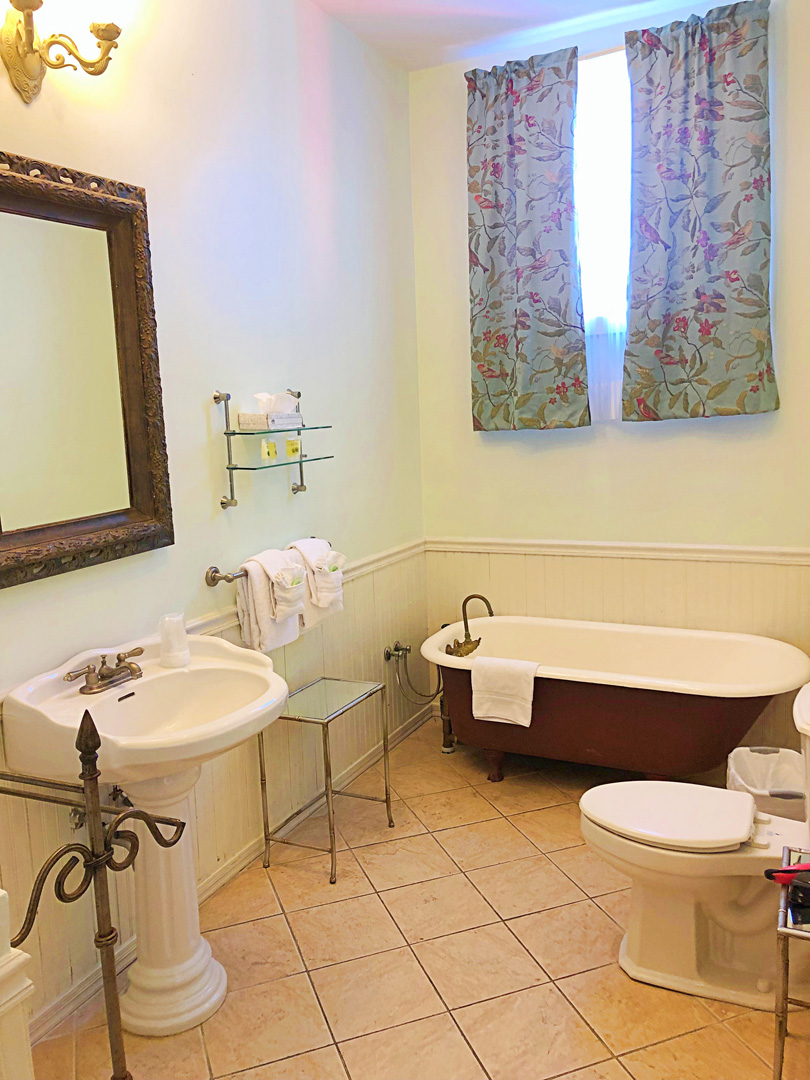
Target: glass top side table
(791, 924)
(320, 702)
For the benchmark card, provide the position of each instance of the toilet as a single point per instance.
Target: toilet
(702, 915)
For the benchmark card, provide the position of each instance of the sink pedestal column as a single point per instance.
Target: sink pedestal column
(175, 983)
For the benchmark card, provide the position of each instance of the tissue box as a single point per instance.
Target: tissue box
(249, 421)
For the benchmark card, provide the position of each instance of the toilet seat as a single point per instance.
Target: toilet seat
(677, 817)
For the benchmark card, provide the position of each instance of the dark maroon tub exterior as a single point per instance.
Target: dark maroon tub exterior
(647, 731)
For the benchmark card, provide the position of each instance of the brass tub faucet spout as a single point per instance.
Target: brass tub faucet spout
(467, 646)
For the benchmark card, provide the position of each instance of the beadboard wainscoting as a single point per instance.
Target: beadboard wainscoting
(747, 590)
(384, 599)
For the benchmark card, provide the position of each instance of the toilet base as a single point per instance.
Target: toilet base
(705, 924)
(746, 998)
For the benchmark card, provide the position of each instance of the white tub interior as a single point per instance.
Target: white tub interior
(704, 662)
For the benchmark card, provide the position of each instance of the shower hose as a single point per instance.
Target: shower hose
(399, 654)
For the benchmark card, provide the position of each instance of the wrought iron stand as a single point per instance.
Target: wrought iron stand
(95, 858)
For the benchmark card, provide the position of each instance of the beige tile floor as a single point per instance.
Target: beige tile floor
(475, 941)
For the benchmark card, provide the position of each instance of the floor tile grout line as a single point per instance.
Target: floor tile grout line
(478, 1001)
(740, 1039)
(514, 993)
(573, 882)
(407, 945)
(459, 1029)
(308, 974)
(309, 980)
(596, 900)
(673, 1038)
(581, 1015)
(206, 1054)
(645, 1046)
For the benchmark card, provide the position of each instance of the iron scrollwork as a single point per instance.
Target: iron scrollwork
(94, 858)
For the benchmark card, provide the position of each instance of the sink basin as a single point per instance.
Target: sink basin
(156, 731)
(169, 719)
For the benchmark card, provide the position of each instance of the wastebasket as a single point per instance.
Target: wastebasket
(774, 777)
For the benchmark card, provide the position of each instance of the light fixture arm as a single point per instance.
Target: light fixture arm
(68, 45)
(27, 58)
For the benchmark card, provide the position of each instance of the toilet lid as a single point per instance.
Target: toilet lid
(662, 813)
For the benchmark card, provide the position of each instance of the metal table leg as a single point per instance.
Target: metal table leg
(330, 807)
(265, 810)
(781, 1005)
(386, 769)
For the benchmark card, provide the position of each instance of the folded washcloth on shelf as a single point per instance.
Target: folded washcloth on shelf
(324, 571)
(270, 599)
(503, 690)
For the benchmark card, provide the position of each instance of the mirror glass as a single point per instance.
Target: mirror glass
(62, 446)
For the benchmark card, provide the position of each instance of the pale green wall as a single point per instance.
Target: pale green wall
(732, 481)
(273, 147)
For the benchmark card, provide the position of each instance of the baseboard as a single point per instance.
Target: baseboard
(42, 1023)
(66, 1004)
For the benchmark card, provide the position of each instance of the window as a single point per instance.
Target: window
(602, 153)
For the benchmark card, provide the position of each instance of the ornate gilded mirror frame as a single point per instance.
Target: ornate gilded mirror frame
(37, 189)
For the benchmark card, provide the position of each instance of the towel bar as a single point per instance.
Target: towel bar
(213, 576)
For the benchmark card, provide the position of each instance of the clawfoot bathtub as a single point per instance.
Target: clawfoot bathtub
(654, 700)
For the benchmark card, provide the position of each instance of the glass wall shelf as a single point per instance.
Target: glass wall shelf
(283, 431)
(278, 464)
(221, 398)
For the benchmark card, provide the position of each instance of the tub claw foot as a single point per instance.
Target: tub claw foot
(448, 739)
(495, 759)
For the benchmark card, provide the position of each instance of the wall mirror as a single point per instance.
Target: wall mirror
(83, 469)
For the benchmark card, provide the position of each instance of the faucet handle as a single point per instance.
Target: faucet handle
(122, 656)
(89, 671)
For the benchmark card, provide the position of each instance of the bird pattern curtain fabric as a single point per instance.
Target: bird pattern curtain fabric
(699, 341)
(527, 331)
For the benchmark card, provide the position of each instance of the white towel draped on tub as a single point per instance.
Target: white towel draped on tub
(503, 690)
(270, 599)
(324, 570)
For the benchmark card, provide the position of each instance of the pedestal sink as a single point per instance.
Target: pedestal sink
(156, 731)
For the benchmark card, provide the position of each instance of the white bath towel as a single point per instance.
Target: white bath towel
(270, 600)
(324, 570)
(503, 690)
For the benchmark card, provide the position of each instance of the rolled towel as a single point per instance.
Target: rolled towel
(287, 582)
(324, 570)
(503, 690)
(269, 600)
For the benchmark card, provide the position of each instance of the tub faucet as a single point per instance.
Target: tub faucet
(467, 646)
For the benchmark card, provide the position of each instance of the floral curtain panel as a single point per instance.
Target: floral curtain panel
(527, 333)
(699, 341)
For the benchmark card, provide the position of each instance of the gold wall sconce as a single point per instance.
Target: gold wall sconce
(27, 58)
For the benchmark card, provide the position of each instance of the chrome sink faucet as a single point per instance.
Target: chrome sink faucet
(96, 682)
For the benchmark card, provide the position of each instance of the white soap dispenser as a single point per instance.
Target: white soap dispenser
(174, 647)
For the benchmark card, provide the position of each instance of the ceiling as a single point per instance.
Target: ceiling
(422, 33)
